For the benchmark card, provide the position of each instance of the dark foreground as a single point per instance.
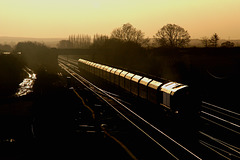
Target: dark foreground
(46, 124)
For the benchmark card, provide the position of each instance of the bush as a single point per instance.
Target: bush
(37, 56)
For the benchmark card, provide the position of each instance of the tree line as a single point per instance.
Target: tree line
(165, 55)
(169, 36)
(5, 48)
(37, 56)
(213, 42)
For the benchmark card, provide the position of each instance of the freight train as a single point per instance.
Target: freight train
(171, 95)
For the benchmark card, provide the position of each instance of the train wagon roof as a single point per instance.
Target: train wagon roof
(106, 68)
(155, 84)
(81, 60)
(118, 71)
(87, 62)
(123, 73)
(136, 78)
(91, 63)
(174, 90)
(172, 87)
(129, 76)
(97, 65)
(114, 70)
(94, 65)
(145, 81)
(109, 69)
(102, 67)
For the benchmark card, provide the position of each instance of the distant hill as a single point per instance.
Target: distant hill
(50, 42)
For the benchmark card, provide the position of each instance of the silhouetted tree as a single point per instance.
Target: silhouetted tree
(214, 40)
(99, 41)
(205, 41)
(227, 44)
(65, 44)
(128, 33)
(147, 43)
(172, 35)
(80, 41)
(5, 47)
(37, 55)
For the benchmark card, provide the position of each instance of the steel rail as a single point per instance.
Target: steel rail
(206, 105)
(139, 128)
(221, 119)
(221, 108)
(225, 144)
(104, 91)
(220, 125)
(213, 148)
(158, 130)
(219, 112)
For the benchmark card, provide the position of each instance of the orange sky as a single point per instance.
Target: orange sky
(60, 18)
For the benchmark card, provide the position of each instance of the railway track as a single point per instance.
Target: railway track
(218, 134)
(221, 130)
(165, 144)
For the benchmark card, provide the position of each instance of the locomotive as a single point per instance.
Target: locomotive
(171, 95)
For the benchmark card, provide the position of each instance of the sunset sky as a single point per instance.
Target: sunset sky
(61, 18)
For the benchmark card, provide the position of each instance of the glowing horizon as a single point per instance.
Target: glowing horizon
(61, 18)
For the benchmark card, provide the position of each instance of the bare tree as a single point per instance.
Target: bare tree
(205, 41)
(80, 41)
(227, 44)
(128, 33)
(214, 40)
(172, 35)
(5, 47)
(64, 44)
(99, 40)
